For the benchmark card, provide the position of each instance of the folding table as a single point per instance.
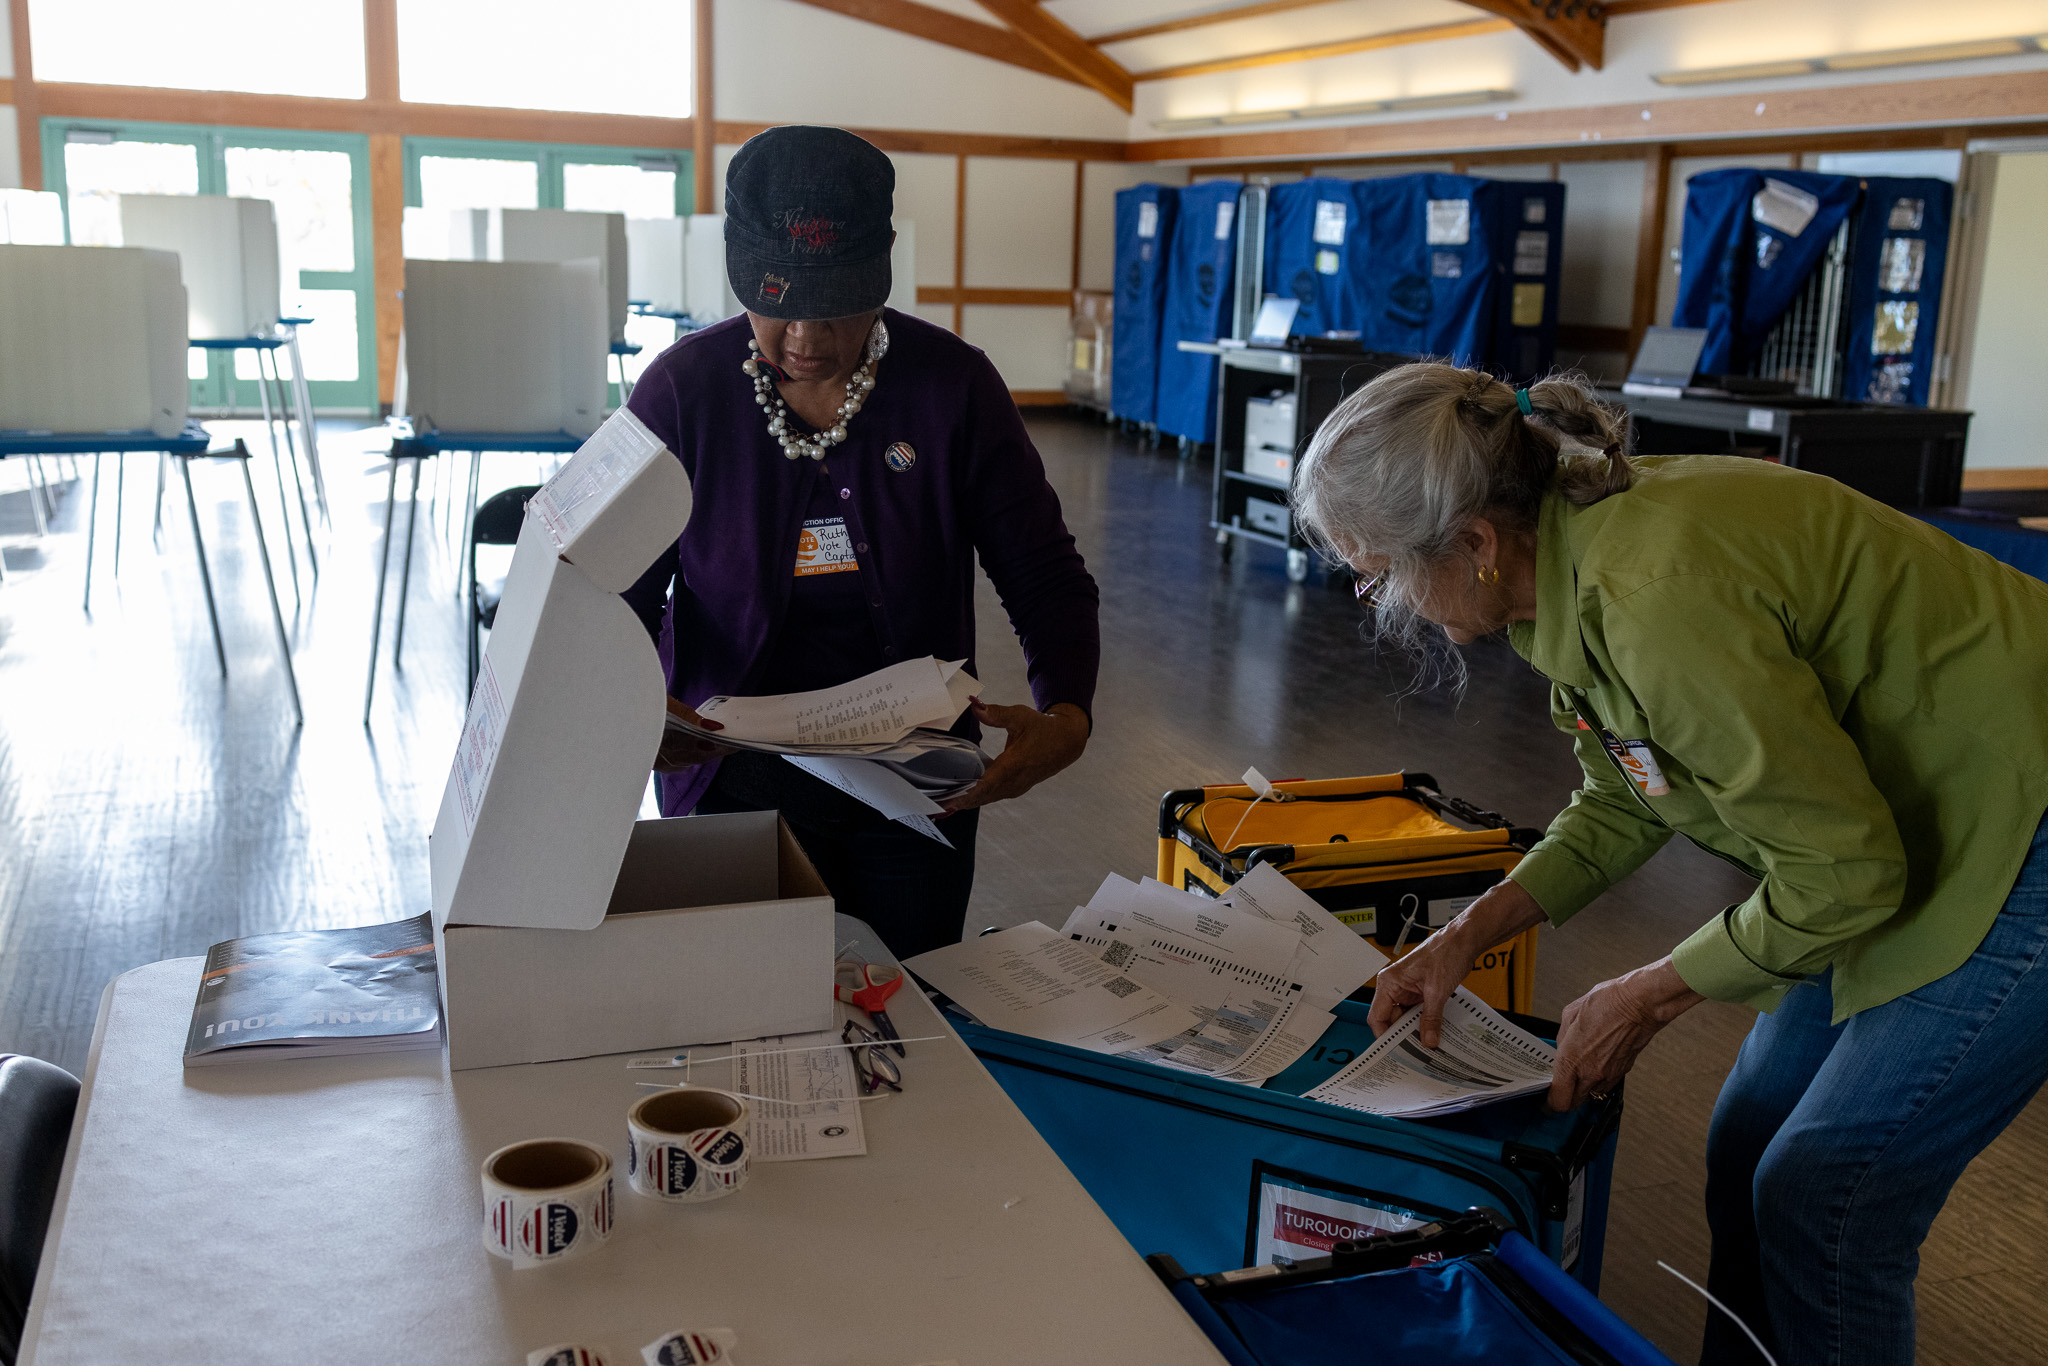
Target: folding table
(328, 1211)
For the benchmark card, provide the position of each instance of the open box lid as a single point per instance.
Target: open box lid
(568, 709)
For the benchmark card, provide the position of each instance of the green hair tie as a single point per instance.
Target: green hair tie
(1522, 402)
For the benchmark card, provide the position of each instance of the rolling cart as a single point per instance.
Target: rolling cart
(1282, 396)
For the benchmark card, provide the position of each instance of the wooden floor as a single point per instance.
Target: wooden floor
(149, 809)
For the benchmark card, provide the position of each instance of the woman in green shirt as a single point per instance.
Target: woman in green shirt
(1834, 697)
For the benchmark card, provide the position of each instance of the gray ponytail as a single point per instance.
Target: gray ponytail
(1401, 468)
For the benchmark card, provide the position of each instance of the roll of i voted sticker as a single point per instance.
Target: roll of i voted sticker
(569, 1354)
(684, 1348)
(688, 1143)
(546, 1199)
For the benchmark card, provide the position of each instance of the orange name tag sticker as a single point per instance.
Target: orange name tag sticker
(824, 546)
(1641, 767)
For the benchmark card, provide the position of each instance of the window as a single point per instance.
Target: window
(478, 183)
(632, 57)
(644, 189)
(306, 47)
(99, 169)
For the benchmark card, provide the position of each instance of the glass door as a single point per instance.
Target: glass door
(319, 183)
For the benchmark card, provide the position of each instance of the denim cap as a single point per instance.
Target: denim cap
(807, 223)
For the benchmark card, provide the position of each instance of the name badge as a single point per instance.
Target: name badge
(1638, 763)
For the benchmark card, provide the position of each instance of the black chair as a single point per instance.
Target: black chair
(497, 522)
(36, 1103)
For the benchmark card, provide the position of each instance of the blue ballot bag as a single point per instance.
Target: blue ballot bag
(1199, 269)
(1221, 1175)
(1144, 235)
(1462, 1289)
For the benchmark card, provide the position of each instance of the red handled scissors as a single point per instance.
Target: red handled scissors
(870, 987)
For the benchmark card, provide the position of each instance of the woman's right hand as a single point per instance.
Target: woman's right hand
(680, 749)
(1429, 974)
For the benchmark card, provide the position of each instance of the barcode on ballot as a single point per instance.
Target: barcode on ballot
(1120, 986)
(1117, 954)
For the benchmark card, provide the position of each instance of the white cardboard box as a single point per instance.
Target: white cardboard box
(92, 339)
(227, 255)
(565, 928)
(718, 929)
(506, 346)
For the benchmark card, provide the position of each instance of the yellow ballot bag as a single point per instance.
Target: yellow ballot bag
(1388, 855)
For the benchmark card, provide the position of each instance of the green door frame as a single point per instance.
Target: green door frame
(550, 157)
(220, 388)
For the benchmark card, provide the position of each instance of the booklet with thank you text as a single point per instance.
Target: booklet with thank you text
(318, 993)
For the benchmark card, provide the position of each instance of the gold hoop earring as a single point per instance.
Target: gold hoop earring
(1488, 576)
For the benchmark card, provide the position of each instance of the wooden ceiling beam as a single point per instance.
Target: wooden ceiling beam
(940, 26)
(1203, 20)
(1573, 31)
(1397, 38)
(1055, 40)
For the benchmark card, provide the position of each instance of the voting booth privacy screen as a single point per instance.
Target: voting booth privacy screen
(1754, 241)
(1220, 1175)
(1199, 268)
(1144, 227)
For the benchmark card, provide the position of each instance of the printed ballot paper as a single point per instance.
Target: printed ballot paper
(1237, 971)
(1481, 1058)
(880, 739)
(1032, 981)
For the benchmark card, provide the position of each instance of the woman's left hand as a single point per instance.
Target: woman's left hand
(1041, 743)
(1605, 1030)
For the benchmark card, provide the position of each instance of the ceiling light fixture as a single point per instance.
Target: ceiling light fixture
(1858, 61)
(1454, 100)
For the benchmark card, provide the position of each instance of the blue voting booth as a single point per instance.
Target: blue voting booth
(1144, 230)
(1312, 239)
(1463, 269)
(1754, 238)
(1898, 256)
(1200, 267)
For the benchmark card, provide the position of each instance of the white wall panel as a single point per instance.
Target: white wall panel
(784, 62)
(1099, 184)
(1603, 207)
(924, 195)
(1029, 346)
(1020, 223)
(1375, 170)
(2006, 392)
(1511, 170)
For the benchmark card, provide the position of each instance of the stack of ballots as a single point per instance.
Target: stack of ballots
(1236, 990)
(880, 738)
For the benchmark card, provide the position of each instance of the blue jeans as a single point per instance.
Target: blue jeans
(1833, 1147)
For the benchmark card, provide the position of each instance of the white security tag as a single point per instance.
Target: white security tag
(1256, 781)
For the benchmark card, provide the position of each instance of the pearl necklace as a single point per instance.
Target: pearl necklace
(858, 386)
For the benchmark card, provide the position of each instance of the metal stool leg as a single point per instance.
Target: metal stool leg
(302, 401)
(205, 574)
(163, 465)
(277, 467)
(476, 460)
(284, 645)
(92, 527)
(412, 513)
(383, 571)
(39, 496)
(291, 453)
(120, 490)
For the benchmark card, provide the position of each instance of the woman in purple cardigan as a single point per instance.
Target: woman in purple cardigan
(848, 464)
